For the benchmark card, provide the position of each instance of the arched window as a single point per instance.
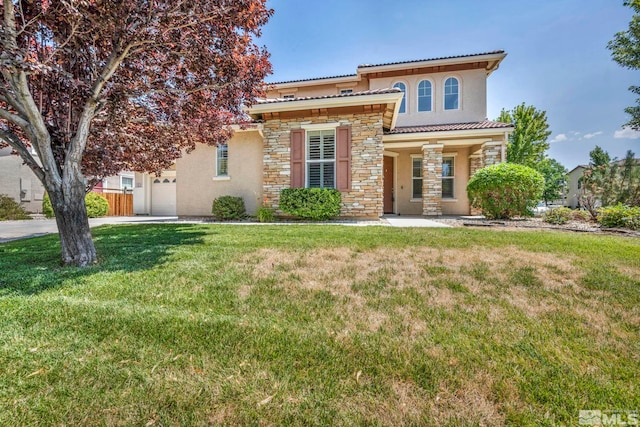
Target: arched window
(403, 104)
(451, 94)
(424, 95)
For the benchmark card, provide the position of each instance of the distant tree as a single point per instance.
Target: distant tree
(528, 141)
(95, 87)
(599, 157)
(554, 179)
(625, 50)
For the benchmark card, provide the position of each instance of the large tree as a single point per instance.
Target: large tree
(528, 141)
(97, 86)
(625, 49)
(555, 176)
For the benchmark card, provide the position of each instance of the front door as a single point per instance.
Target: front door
(388, 184)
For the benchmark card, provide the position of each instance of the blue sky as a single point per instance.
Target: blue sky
(557, 57)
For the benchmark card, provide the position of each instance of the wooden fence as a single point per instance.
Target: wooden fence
(120, 204)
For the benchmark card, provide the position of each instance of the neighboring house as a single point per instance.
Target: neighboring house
(397, 138)
(574, 176)
(19, 182)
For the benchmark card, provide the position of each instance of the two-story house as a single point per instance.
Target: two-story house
(396, 138)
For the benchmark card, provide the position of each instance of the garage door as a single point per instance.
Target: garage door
(163, 195)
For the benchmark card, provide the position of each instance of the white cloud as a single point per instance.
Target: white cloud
(559, 138)
(592, 135)
(626, 133)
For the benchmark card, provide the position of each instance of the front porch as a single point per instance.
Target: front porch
(429, 178)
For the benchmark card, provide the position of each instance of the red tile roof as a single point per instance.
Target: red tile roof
(312, 79)
(338, 95)
(485, 124)
(431, 59)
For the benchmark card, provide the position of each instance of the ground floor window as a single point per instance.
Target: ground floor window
(222, 160)
(448, 173)
(321, 159)
(416, 177)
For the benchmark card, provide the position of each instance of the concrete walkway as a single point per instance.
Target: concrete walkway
(413, 221)
(13, 230)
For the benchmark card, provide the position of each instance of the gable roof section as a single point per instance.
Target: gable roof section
(338, 95)
(441, 58)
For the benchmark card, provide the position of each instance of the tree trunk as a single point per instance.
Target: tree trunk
(73, 225)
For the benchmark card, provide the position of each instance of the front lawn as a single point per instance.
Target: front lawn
(319, 325)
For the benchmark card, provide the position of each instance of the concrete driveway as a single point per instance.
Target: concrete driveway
(12, 230)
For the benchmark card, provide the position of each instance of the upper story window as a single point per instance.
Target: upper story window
(289, 96)
(403, 104)
(451, 94)
(424, 95)
(321, 159)
(345, 91)
(222, 163)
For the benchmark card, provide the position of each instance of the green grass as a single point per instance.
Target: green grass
(319, 325)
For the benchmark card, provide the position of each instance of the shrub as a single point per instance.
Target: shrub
(265, 214)
(558, 216)
(311, 203)
(47, 208)
(580, 215)
(226, 208)
(505, 190)
(10, 210)
(97, 205)
(620, 216)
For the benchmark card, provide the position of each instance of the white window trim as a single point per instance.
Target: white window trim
(218, 176)
(133, 181)
(335, 153)
(433, 92)
(452, 178)
(421, 157)
(406, 95)
(444, 93)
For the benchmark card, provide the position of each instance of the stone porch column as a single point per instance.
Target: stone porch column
(432, 179)
(491, 153)
(475, 163)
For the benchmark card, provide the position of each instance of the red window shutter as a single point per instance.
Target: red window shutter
(343, 158)
(297, 158)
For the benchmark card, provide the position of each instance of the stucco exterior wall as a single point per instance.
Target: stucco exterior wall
(365, 197)
(198, 185)
(472, 103)
(573, 178)
(19, 182)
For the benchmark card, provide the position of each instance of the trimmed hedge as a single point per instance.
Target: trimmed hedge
(10, 210)
(226, 208)
(620, 216)
(505, 190)
(97, 205)
(316, 204)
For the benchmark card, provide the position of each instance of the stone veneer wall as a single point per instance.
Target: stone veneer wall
(475, 164)
(432, 179)
(491, 153)
(365, 197)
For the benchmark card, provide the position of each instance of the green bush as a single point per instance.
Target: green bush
(317, 204)
(620, 216)
(580, 215)
(10, 210)
(505, 190)
(265, 214)
(226, 208)
(97, 206)
(558, 216)
(47, 208)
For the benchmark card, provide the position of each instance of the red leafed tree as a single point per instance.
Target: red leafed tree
(94, 87)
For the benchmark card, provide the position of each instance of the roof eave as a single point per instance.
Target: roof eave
(355, 78)
(493, 59)
(446, 134)
(308, 104)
